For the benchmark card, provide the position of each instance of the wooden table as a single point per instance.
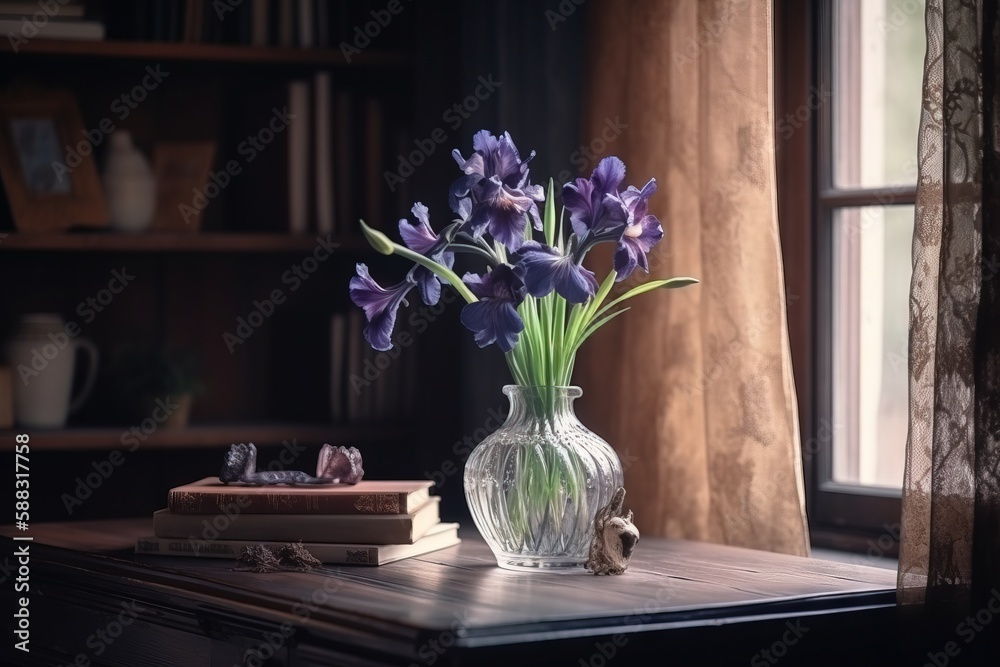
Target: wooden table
(680, 602)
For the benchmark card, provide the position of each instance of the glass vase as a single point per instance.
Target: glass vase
(536, 483)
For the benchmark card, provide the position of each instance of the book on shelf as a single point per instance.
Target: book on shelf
(323, 142)
(19, 8)
(441, 536)
(356, 528)
(298, 157)
(338, 340)
(54, 28)
(210, 496)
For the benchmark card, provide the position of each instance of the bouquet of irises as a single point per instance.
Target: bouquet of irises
(535, 300)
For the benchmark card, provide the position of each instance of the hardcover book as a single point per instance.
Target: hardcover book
(210, 496)
(438, 537)
(232, 524)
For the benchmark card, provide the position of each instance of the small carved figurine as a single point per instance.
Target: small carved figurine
(340, 464)
(240, 465)
(614, 537)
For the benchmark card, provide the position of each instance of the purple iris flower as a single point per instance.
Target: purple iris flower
(543, 269)
(380, 306)
(593, 204)
(496, 181)
(641, 233)
(422, 239)
(494, 317)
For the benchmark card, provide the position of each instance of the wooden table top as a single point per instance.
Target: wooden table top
(669, 584)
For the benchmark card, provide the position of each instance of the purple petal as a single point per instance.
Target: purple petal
(610, 214)
(504, 210)
(461, 189)
(419, 237)
(380, 306)
(577, 200)
(637, 201)
(543, 269)
(493, 321)
(500, 283)
(483, 141)
(608, 175)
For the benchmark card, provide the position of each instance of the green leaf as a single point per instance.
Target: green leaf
(670, 283)
(598, 324)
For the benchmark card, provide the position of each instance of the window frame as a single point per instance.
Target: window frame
(842, 516)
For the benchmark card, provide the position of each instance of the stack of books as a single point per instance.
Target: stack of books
(369, 523)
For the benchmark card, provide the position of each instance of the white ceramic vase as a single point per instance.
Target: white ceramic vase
(129, 184)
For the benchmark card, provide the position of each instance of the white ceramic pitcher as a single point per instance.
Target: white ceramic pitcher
(42, 358)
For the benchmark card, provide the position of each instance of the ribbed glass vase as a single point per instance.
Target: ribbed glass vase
(536, 483)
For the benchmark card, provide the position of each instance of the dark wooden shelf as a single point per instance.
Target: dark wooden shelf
(218, 242)
(215, 53)
(214, 435)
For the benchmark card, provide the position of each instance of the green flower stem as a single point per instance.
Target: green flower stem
(383, 244)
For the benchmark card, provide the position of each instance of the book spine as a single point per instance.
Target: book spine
(334, 554)
(323, 153)
(183, 502)
(298, 157)
(284, 528)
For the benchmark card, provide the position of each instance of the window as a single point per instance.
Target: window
(847, 185)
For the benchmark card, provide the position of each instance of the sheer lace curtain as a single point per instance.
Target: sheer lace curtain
(694, 387)
(950, 544)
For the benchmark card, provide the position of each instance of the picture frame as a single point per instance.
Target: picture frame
(182, 171)
(46, 162)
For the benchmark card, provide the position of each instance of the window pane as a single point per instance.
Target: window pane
(877, 68)
(871, 283)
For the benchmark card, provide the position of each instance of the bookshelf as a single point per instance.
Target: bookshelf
(193, 286)
(209, 435)
(231, 54)
(166, 242)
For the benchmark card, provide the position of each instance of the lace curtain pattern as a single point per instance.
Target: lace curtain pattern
(695, 388)
(950, 543)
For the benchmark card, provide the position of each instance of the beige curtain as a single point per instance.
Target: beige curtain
(950, 548)
(694, 387)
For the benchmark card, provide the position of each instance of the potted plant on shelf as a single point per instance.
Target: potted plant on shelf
(535, 485)
(142, 378)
